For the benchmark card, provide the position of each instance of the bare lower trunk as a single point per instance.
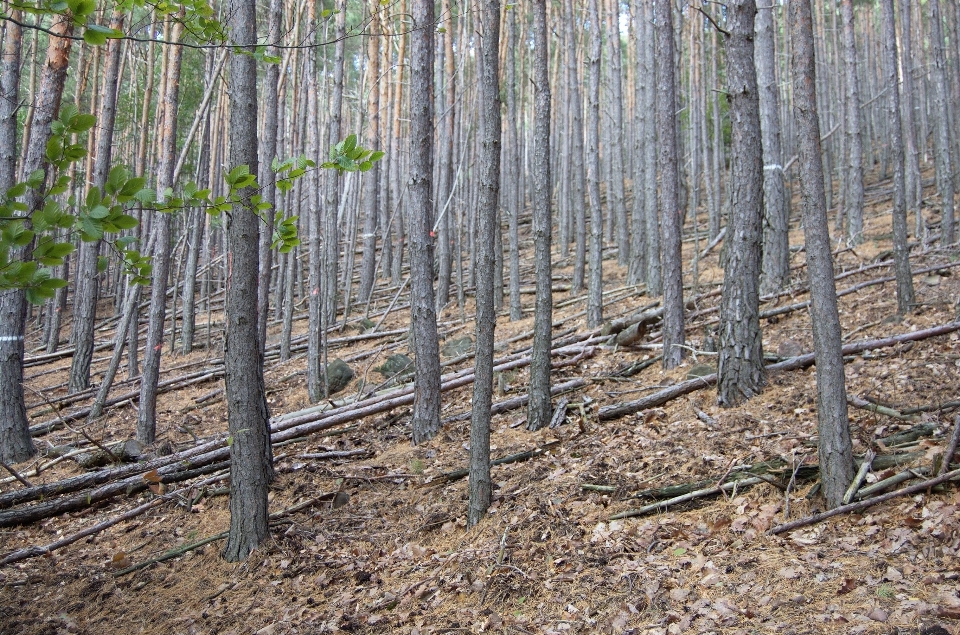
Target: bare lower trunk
(426, 405)
(740, 369)
(670, 211)
(480, 485)
(539, 410)
(595, 291)
(247, 417)
(836, 454)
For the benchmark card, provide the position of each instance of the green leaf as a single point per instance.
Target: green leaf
(17, 190)
(82, 123)
(54, 149)
(35, 179)
(349, 144)
(237, 173)
(125, 221)
(376, 156)
(366, 165)
(94, 197)
(102, 262)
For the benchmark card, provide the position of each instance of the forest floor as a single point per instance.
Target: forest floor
(395, 556)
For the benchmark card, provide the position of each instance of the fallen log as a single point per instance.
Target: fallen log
(173, 468)
(869, 502)
(801, 361)
(455, 475)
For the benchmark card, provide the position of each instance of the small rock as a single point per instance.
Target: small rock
(396, 365)
(878, 615)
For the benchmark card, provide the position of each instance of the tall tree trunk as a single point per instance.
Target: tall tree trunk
(316, 380)
(147, 413)
(901, 250)
(914, 181)
(447, 159)
(371, 181)
(331, 187)
(615, 194)
(576, 152)
(268, 151)
(670, 212)
(740, 369)
(480, 485)
(775, 272)
(853, 179)
(835, 451)
(513, 194)
(88, 278)
(426, 404)
(944, 161)
(15, 442)
(649, 66)
(539, 410)
(595, 292)
(638, 236)
(247, 417)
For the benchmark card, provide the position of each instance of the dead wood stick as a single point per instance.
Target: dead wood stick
(863, 404)
(700, 493)
(340, 454)
(951, 447)
(854, 507)
(33, 552)
(801, 361)
(887, 483)
(519, 402)
(16, 475)
(861, 474)
(455, 475)
(199, 457)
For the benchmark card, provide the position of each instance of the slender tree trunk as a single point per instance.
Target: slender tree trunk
(88, 278)
(331, 187)
(576, 152)
(670, 212)
(901, 251)
(426, 404)
(835, 451)
(316, 380)
(480, 485)
(247, 418)
(649, 66)
(740, 369)
(514, 196)
(16, 444)
(944, 161)
(615, 194)
(147, 414)
(914, 182)
(595, 293)
(539, 410)
(371, 180)
(638, 236)
(776, 217)
(266, 177)
(446, 167)
(853, 196)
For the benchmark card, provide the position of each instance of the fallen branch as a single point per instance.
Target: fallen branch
(855, 507)
(801, 361)
(863, 404)
(456, 475)
(700, 493)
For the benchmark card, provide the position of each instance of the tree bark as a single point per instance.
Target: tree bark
(835, 451)
(147, 413)
(513, 195)
(426, 405)
(247, 417)
(15, 442)
(595, 291)
(901, 250)
(944, 160)
(653, 250)
(266, 177)
(853, 175)
(740, 368)
(88, 277)
(775, 272)
(487, 225)
(538, 409)
(670, 212)
(371, 181)
(577, 178)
